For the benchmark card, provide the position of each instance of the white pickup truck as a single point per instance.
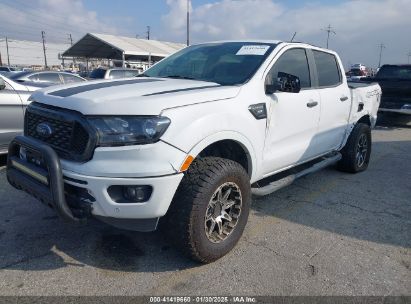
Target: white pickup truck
(186, 144)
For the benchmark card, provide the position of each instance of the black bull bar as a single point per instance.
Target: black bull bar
(43, 182)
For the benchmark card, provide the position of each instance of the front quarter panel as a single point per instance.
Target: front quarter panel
(195, 127)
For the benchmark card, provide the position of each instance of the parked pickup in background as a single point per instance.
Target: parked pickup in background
(185, 144)
(395, 82)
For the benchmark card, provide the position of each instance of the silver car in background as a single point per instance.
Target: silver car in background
(46, 76)
(114, 73)
(13, 101)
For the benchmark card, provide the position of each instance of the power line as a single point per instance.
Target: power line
(329, 31)
(381, 46)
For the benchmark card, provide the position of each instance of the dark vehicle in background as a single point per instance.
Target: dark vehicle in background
(7, 69)
(115, 73)
(395, 82)
(46, 76)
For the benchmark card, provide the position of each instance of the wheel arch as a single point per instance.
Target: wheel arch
(365, 119)
(230, 145)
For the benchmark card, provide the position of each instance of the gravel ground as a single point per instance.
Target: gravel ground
(330, 233)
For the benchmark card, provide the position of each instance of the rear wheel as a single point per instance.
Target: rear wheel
(356, 152)
(210, 209)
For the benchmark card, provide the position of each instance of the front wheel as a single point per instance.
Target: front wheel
(356, 152)
(210, 209)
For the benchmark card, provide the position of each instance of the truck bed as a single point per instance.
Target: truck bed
(365, 97)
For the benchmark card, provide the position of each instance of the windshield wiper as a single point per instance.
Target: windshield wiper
(142, 75)
(179, 77)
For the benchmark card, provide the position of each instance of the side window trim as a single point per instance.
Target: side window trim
(316, 71)
(313, 69)
(311, 73)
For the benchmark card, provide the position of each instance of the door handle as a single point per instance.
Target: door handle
(343, 98)
(312, 104)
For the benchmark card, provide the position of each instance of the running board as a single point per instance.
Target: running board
(289, 179)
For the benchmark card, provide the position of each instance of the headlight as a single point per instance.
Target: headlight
(128, 130)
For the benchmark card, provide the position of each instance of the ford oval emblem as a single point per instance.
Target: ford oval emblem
(44, 130)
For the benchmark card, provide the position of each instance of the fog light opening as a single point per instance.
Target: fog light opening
(137, 194)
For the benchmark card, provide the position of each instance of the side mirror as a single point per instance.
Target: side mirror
(284, 83)
(2, 84)
(288, 83)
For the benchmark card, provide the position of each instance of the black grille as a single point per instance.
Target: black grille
(71, 137)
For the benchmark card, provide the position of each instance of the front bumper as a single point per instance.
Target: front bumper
(52, 184)
(164, 188)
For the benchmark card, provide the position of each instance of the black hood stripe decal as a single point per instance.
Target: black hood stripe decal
(181, 90)
(96, 86)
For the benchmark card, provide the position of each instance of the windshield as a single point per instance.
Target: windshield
(19, 75)
(394, 72)
(227, 63)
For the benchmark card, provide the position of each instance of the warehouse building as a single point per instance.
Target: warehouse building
(90, 51)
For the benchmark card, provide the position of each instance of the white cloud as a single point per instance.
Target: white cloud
(360, 25)
(26, 19)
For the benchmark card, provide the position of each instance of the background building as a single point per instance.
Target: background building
(90, 51)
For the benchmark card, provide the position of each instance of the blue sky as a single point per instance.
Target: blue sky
(360, 24)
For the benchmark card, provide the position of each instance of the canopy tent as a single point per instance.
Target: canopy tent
(104, 46)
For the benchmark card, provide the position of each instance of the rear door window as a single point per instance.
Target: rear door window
(71, 78)
(49, 77)
(115, 74)
(327, 69)
(394, 72)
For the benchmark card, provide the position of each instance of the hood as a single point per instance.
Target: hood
(133, 96)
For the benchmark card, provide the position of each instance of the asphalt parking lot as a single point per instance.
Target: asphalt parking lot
(330, 233)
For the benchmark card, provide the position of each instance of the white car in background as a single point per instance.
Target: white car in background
(13, 101)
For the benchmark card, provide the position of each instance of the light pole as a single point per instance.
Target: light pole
(381, 46)
(188, 22)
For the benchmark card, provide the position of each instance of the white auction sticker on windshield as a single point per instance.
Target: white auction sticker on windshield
(253, 50)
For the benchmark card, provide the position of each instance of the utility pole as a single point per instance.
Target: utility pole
(148, 32)
(43, 34)
(188, 22)
(381, 46)
(409, 55)
(71, 43)
(329, 31)
(8, 56)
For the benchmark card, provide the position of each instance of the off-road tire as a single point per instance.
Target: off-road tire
(349, 161)
(184, 223)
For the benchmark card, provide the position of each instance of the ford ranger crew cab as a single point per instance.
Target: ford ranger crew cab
(184, 145)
